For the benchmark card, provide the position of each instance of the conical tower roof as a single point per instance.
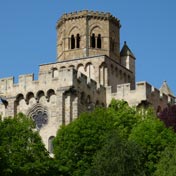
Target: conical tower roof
(166, 89)
(125, 51)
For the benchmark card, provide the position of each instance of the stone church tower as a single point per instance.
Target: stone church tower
(92, 39)
(89, 71)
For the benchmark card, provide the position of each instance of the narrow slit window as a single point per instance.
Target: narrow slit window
(93, 41)
(50, 144)
(99, 41)
(78, 41)
(72, 42)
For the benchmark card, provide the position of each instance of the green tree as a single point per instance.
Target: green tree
(88, 146)
(21, 149)
(152, 135)
(126, 116)
(77, 143)
(117, 157)
(166, 165)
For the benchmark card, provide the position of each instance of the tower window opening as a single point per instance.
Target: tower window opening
(54, 73)
(72, 42)
(50, 144)
(78, 41)
(93, 41)
(99, 41)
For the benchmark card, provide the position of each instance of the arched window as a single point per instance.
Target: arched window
(29, 96)
(63, 67)
(93, 41)
(54, 73)
(77, 41)
(50, 144)
(71, 66)
(99, 41)
(19, 97)
(40, 94)
(50, 92)
(72, 42)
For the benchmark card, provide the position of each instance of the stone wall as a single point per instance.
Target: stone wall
(144, 93)
(89, 72)
(59, 99)
(86, 24)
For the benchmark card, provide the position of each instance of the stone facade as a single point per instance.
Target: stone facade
(90, 70)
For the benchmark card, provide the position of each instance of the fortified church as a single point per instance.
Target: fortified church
(89, 71)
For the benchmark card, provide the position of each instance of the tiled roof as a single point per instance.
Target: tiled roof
(125, 51)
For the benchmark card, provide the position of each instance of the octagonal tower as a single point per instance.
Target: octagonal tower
(87, 33)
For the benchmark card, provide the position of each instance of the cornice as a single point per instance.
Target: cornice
(89, 15)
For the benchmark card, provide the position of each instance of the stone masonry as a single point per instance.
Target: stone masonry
(89, 71)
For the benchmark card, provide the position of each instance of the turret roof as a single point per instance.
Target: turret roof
(125, 51)
(166, 89)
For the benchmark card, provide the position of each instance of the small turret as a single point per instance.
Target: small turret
(127, 58)
(165, 89)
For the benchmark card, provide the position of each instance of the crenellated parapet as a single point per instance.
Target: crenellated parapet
(66, 78)
(143, 93)
(10, 87)
(6, 84)
(88, 14)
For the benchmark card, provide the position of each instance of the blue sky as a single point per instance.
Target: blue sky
(28, 35)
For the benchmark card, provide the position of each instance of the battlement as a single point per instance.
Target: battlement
(88, 14)
(66, 77)
(27, 78)
(141, 86)
(151, 90)
(21, 78)
(143, 92)
(81, 78)
(9, 82)
(6, 82)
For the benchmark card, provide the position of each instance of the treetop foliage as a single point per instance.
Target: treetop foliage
(21, 149)
(117, 157)
(77, 143)
(118, 140)
(87, 145)
(166, 165)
